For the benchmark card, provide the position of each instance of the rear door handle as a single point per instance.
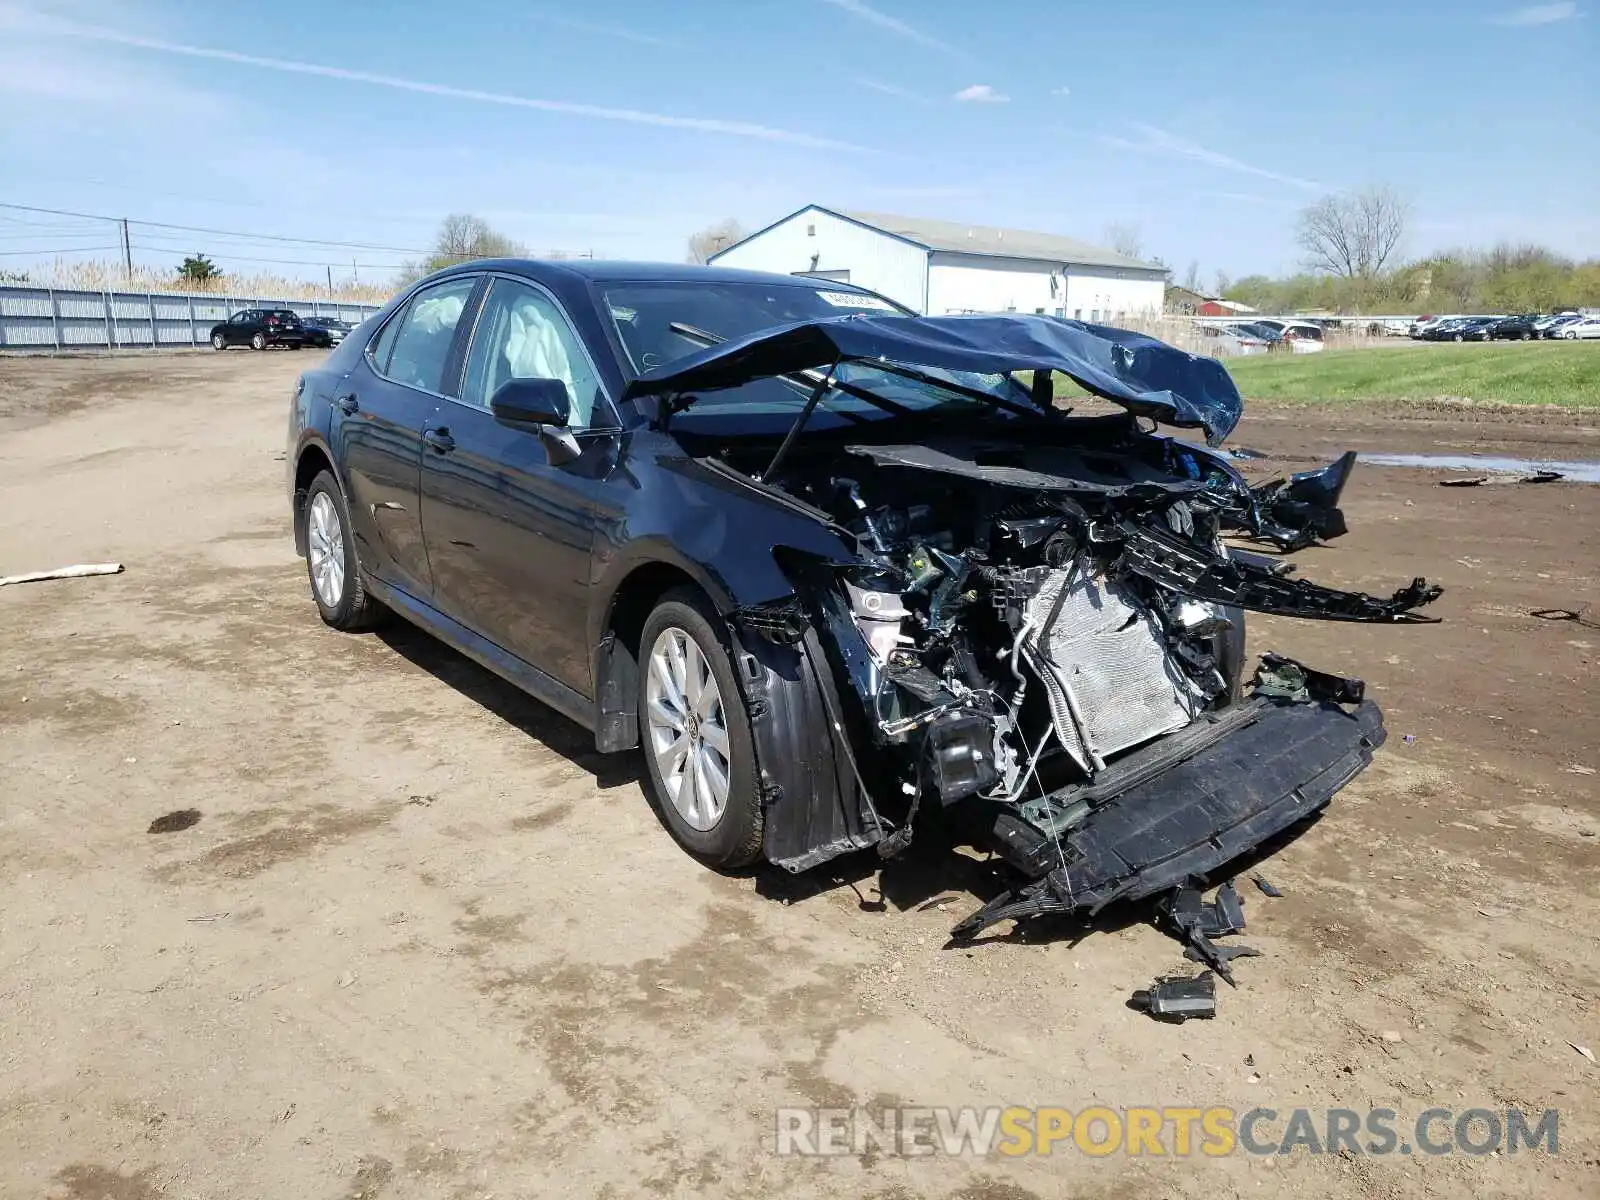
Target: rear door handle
(439, 439)
(348, 404)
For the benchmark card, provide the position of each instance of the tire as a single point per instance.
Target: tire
(258, 341)
(1460, 338)
(728, 839)
(341, 597)
(1526, 336)
(218, 342)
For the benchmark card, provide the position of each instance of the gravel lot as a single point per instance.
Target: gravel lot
(422, 941)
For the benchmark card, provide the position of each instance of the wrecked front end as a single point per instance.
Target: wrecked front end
(1040, 635)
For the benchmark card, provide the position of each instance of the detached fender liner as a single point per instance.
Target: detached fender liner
(1202, 813)
(813, 808)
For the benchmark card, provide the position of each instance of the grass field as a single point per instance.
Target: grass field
(1565, 373)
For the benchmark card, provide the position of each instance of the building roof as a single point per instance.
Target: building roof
(966, 238)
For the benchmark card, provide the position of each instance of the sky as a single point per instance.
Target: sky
(339, 136)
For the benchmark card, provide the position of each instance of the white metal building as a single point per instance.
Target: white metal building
(941, 267)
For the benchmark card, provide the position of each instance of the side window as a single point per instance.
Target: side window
(416, 345)
(523, 335)
(239, 318)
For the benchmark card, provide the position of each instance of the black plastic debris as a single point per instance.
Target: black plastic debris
(1176, 999)
(1195, 921)
(1265, 888)
(1218, 952)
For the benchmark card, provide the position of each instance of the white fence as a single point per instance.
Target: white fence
(34, 318)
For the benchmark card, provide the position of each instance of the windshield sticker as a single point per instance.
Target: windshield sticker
(852, 300)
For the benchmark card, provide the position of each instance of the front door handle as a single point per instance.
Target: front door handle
(348, 404)
(439, 439)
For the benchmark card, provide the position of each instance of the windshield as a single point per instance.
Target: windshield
(658, 323)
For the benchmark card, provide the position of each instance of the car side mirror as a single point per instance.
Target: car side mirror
(532, 402)
(540, 406)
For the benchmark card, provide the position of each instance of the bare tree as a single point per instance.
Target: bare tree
(714, 238)
(1354, 234)
(462, 237)
(1223, 283)
(1124, 239)
(1191, 277)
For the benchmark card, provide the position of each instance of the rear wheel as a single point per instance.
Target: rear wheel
(331, 562)
(258, 341)
(1526, 336)
(695, 731)
(1460, 338)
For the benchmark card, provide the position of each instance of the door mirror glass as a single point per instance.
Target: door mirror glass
(532, 401)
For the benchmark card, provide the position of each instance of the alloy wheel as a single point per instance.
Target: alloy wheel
(688, 729)
(326, 545)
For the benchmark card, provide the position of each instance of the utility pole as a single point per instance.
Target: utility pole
(330, 280)
(355, 275)
(127, 252)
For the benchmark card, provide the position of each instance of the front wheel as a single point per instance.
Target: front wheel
(218, 342)
(695, 732)
(331, 562)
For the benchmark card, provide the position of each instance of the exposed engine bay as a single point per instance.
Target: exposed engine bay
(1036, 627)
(1028, 624)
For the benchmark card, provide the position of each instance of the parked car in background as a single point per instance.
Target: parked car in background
(1421, 326)
(1518, 328)
(325, 331)
(1583, 327)
(1551, 326)
(1303, 337)
(1245, 339)
(259, 328)
(1460, 329)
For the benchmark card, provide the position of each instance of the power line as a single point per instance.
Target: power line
(63, 250)
(260, 237)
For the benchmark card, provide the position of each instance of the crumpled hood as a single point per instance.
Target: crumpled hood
(1144, 375)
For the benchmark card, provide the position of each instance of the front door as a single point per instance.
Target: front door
(239, 328)
(509, 535)
(379, 414)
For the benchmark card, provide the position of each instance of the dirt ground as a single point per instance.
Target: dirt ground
(422, 941)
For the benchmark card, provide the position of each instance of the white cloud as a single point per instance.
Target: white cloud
(889, 89)
(1538, 14)
(33, 70)
(1159, 141)
(1061, 91)
(893, 25)
(619, 32)
(743, 129)
(981, 93)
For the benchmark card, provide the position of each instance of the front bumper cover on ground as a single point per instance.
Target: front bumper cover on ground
(1194, 817)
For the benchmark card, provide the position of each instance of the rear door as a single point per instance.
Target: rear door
(379, 414)
(509, 534)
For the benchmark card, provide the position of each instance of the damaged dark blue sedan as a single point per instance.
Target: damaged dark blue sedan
(833, 566)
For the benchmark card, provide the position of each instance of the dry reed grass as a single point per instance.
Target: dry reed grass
(108, 276)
